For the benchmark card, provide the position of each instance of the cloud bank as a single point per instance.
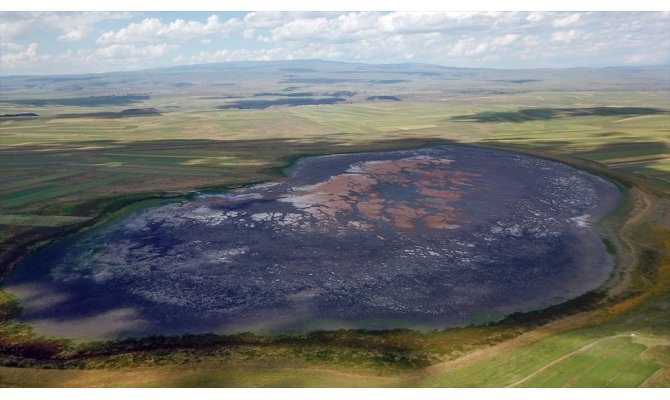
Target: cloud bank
(51, 43)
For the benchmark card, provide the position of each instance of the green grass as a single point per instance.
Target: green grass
(653, 150)
(39, 220)
(50, 191)
(574, 359)
(633, 374)
(39, 179)
(506, 368)
(598, 366)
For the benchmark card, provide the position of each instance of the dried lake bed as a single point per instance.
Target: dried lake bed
(426, 239)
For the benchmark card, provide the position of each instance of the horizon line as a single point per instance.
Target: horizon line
(340, 62)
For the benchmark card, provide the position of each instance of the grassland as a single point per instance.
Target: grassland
(60, 175)
(214, 147)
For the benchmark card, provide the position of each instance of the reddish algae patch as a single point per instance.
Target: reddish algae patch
(357, 192)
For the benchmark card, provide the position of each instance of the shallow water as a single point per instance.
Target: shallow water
(424, 238)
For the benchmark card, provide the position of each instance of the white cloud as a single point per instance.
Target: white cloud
(477, 39)
(12, 26)
(356, 25)
(566, 36)
(480, 48)
(180, 59)
(459, 49)
(426, 21)
(304, 28)
(223, 55)
(535, 17)
(276, 53)
(635, 58)
(346, 27)
(504, 40)
(29, 54)
(264, 19)
(72, 26)
(531, 41)
(273, 19)
(566, 21)
(153, 29)
(469, 46)
(120, 51)
(249, 33)
(72, 36)
(11, 46)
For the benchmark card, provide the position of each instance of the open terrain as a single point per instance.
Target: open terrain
(59, 175)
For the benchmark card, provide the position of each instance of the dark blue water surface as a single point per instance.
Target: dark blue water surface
(426, 238)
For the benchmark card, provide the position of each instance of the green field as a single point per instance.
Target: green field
(39, 220)
(570, 360)
(610, 363)
(216, 147)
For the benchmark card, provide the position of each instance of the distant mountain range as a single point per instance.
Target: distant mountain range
(249, 77)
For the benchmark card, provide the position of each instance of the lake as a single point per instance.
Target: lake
(424, 239)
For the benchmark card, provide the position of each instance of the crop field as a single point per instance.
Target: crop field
(216, 146)
(613, 362)
(569, 360)
(59, 175)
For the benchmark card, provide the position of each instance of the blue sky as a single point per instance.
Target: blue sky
(75, 42)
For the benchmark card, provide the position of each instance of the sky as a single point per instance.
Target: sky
(91, 42)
